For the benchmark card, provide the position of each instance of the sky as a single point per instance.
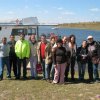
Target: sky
(51, 11)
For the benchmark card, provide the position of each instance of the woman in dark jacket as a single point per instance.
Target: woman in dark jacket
(59, 60)
(82, 53)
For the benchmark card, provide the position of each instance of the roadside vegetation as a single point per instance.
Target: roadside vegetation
(82, 25)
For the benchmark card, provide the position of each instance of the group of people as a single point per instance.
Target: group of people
(57, 57)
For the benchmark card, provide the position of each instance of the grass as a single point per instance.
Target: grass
(42, 90)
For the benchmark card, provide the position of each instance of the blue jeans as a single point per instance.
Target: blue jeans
(33, 63)
(48, 70)
(52, 71)
(95, 71)
(4, 61)
(81, 69)
(43, 68)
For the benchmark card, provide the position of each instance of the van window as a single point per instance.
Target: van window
(18, 31)
(31, 31)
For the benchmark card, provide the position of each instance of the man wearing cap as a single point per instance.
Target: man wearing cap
(92, 53)
(22, 50)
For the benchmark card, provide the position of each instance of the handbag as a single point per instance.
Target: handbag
(39, 68)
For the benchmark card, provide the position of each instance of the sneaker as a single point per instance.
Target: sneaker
(54, 82)
(97, 81)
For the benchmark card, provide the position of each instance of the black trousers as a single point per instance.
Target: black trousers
(71, 65)
(90, 70)
(13, 63)
(23, 62)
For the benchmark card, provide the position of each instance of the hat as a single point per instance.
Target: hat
(90, 37)
(59, 41)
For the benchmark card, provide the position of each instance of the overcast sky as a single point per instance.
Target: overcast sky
(51, 11)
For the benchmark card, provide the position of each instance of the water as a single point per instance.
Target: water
(81, 34)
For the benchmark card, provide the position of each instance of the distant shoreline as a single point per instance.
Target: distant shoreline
(82, 25)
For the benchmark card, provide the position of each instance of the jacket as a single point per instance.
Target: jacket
(60, 55)
(82, 54)
(47, 54)
(12, 49)
(4, 50)
(33, 48)
(22, 49)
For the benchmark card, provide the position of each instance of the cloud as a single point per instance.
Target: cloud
(45, 11)
(60, 17)
(94, 9)
(68, 13)
(26, 7)
(60, 8)
(38, 6)
(10, 12)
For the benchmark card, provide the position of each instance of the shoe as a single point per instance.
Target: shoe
(54, 82)
(9, 77)
(17, 78)
(32, 77)
(48, 80)
(90, 81)
(66, 79)
(25, 78)
(73, 79)
(97, 81)
(43, 79)
(1, 79)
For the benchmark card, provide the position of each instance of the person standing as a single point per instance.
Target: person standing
(48, 60)
(22, 50)
(33, 56)
(82, 55)
(65, 44)
(92, 59)
(73, 49)
(52, 42)
(60, 61)
(4, 58)
(12, 55)
(42, 46)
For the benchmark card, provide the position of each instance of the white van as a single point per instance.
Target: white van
(7, 30)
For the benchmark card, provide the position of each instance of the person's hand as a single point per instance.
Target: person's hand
(66, 64)
(55, 66)
(39, 62)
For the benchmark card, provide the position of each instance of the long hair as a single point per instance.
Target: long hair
(73, 37)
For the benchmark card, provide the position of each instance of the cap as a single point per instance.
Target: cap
(90, 37)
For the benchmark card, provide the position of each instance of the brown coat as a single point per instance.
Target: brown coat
(48, 55)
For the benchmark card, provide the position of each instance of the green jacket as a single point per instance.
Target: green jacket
(22, 49)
